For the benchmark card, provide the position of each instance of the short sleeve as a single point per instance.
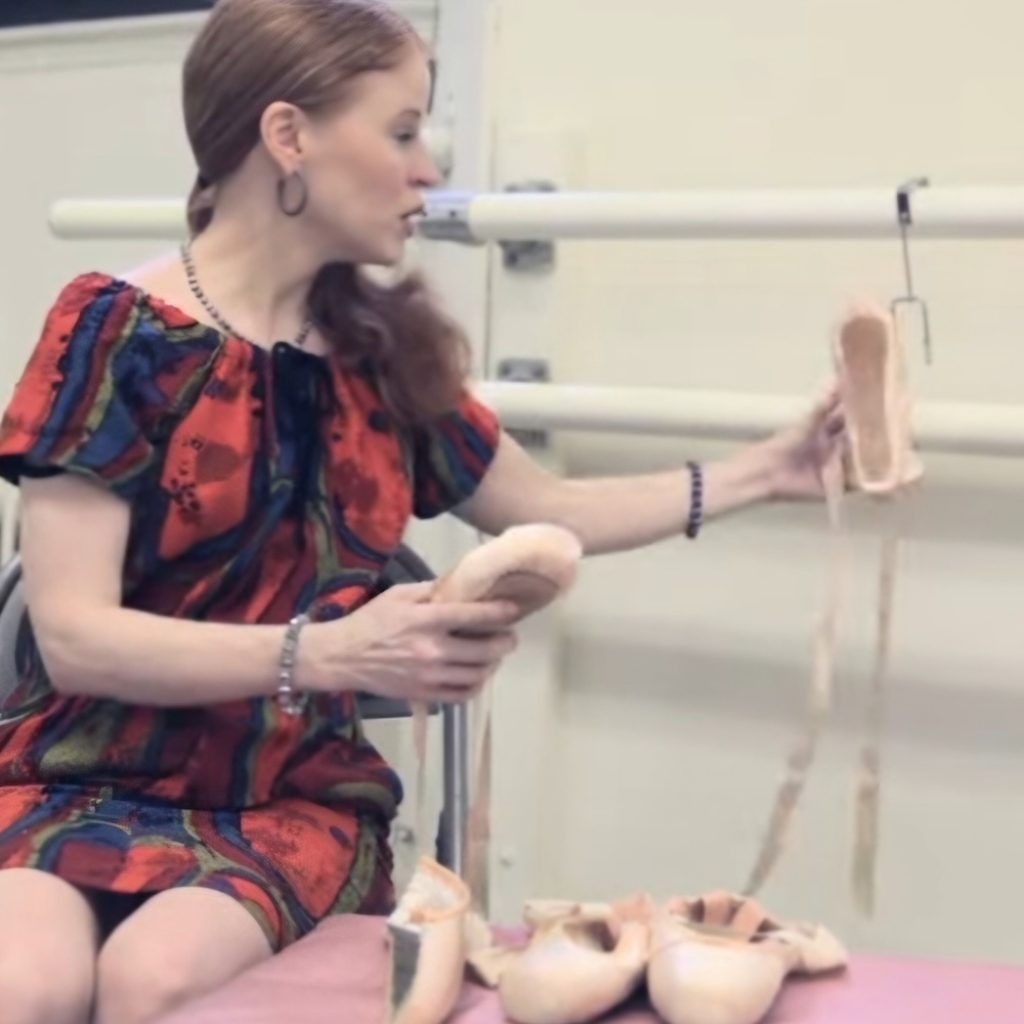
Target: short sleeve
(452, 456)
(95, 392)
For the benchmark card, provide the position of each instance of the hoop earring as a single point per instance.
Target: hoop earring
(293, 209)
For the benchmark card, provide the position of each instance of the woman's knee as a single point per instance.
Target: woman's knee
(31, 993)
(180, 945)
(47, 963)
(137, 982)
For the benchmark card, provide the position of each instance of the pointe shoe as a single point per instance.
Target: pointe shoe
(871, 366)
(721, 960)
(486, 959)
(583, 960)
(428, 946)
(528, 565)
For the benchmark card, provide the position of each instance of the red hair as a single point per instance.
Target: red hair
(251, 53)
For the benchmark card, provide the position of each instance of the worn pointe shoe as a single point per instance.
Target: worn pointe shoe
(721, 960)
(871, 367)
(528, 565)
(485, 958)
(428, 946)
(583, 960)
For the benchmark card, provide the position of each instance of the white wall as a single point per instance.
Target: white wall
(686, 665)
(650, 760)
(89, 110)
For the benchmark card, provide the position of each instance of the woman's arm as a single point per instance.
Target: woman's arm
(73, 539)
(621, 513)
(613, 514)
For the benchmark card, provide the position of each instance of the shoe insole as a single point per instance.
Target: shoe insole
(865, 349)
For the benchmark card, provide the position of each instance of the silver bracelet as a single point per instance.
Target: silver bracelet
(292, 702)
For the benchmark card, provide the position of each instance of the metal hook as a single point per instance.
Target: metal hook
(906, 221)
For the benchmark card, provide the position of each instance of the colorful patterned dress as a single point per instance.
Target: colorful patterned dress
(262, 483)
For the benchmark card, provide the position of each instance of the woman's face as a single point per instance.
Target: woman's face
(366, 166)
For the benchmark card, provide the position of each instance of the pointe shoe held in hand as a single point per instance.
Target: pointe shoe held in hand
(721, 960)
(528, 565)
(428, 946)
(871, 367)
(583, 960)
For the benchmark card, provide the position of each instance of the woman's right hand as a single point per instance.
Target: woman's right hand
(402, 647)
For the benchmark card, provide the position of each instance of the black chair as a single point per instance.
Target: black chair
(25, 688)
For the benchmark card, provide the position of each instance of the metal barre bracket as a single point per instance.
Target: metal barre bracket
(532, 255)
(522, 370)
(448, 220)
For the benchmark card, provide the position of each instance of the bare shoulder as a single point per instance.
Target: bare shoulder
(164, 278)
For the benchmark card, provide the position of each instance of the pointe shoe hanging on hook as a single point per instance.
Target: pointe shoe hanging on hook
(582, 960)
(720, 959)
(871, 367)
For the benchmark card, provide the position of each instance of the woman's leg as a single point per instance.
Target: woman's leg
(180, 944)
(48, 942)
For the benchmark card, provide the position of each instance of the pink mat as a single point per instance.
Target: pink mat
(336, 976)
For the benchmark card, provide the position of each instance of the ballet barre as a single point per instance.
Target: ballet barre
(941, 427)
(776, 214)
(956, 428)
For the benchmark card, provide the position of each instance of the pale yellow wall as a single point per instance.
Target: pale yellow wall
(685, 666)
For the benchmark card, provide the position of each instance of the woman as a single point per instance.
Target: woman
(217, 444)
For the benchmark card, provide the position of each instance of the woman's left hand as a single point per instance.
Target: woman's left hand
(795, 457)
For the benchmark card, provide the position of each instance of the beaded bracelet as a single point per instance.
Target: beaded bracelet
(696, 517)
(291, 701)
